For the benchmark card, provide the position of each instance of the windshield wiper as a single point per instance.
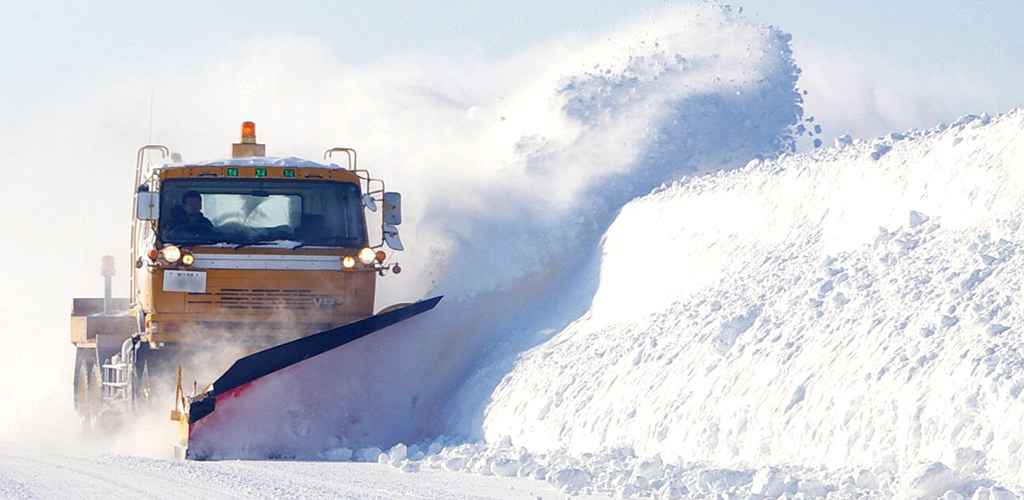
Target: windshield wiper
(257, 242)
(196, 242)
(344, 241)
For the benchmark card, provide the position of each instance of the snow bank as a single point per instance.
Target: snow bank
(621, 473)
(857, 307)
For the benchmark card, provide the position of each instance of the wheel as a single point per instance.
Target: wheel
(142, 389)
(86, 385)
(152, 376)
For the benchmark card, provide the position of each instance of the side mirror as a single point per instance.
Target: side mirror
(148, 207)
(392, 209)
(391, 238)
(369, 203)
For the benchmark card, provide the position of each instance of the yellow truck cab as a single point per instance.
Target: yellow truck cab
(231, 257)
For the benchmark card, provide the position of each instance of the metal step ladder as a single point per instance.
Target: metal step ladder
(117, 382)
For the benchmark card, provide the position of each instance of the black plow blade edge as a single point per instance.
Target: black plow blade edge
(270, 360)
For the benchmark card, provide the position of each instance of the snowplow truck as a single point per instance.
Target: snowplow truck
(240, 269)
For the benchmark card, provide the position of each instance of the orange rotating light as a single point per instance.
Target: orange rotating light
(248, 132)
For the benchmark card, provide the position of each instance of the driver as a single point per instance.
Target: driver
(191, 213)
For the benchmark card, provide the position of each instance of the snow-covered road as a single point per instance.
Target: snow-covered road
(27, 473)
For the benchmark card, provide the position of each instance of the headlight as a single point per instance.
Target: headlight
(367, 256)
(171, 253)
(348, 262)
(188, 259)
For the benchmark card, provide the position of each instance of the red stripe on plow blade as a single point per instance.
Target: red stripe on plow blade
(247, 371)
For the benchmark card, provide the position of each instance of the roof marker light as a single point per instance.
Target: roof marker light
(248, 132)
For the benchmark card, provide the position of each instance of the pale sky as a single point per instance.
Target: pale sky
(52, 47)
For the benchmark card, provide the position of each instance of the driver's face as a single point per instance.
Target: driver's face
(194, 205)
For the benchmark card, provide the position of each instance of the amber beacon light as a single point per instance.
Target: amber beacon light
(248, 147)
(248, 132)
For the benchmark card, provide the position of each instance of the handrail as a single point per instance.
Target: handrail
(364, 175)
(353, 158)
(139, 157)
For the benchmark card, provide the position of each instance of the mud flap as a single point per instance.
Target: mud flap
(200, 425)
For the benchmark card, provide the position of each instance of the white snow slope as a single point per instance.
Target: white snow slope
(855, 309)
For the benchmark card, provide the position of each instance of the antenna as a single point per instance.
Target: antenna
(152, 97)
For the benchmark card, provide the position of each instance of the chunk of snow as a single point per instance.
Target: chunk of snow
(571, 480)
(929, 481)
(505, 467)
(649, 469)
(398, 452)
(338, 454)
(371, 454)
(770, 482)
(455, 464)
(993, 493)
(880, 150)
(917, 218)
(995, 329)
(434, 448)
(843, 140)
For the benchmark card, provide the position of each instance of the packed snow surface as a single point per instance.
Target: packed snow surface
(34, 474)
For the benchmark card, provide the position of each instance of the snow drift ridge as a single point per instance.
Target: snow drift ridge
(854, 307)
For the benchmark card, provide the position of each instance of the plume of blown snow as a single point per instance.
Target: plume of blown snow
(700, 89)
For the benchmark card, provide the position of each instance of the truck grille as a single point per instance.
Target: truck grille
(257, 298)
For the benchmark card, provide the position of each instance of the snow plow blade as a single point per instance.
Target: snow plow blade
(235, 416)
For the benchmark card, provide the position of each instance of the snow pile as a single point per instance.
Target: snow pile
(621, 473)
(857, 307)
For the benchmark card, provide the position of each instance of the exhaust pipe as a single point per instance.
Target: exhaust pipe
(107, 271)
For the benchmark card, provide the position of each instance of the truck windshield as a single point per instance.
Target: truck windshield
(251, 211)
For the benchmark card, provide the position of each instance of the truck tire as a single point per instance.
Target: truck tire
(87, 385)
